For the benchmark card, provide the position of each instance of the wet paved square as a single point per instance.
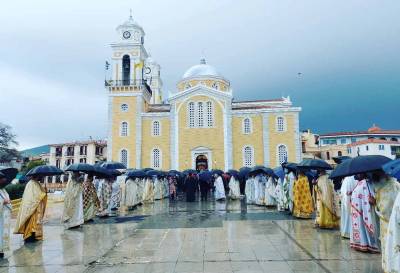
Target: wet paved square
(189, 237)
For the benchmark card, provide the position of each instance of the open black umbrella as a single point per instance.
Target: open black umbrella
(100, 172)
(359, 164)
(244, 172)
(153, 173)
(45, 170)
(80, 167)
(174, 173)
(112, 165)
(189, 171)
(9, 173)
(205, 175)
(292, 167)
(314, 164)
(147, 169)
(216, 171)
(261, 169)
(234, 173)
(135, 174)
(340, 159)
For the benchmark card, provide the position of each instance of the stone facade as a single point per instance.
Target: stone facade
(199, 126)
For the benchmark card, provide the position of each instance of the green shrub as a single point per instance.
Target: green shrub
(15, 191)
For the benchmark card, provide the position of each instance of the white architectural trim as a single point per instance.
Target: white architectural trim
(252, 155)
(277, 153)
(297, 137)
(127, 156)
(173, 138)
(127, 128)
(265, 110)
(152, 158)
(158, 115)
(250, 125)
(284, 124)
(265, 128)
(228, 145)
(176, 140)
(159, 128)
(200, 90)
(139, 109)
(201, 151)
(110, 124)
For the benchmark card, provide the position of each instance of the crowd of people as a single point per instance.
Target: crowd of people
(365, 207)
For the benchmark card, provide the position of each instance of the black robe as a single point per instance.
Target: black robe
(191, 186)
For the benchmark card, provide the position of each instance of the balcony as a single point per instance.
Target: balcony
(127, 85)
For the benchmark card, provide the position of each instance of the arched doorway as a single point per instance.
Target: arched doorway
(201, 162)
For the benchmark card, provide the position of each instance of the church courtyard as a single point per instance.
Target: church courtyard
(188, 237)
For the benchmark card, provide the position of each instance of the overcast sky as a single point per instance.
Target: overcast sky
(52, 57)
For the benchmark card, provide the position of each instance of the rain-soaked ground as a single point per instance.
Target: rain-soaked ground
(188, 237)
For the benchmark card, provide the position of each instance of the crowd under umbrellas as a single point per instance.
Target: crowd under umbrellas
(360, 196)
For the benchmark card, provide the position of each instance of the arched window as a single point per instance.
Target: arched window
(191, 114)
(339, 153)
(124, 107)
(215, 86)
(124, 128)
(126, 69)
(280, 124)
(210, 114)
(246, 126)
(200, 114)
(123, 158)
(156, 158)
(187, 86)
(282, 154)
(248, 156)
(156, 130)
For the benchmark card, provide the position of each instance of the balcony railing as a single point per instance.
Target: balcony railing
(140, 84)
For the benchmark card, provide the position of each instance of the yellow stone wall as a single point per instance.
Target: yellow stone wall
(276, 138)
(161, 142)
(191, 138)
(128, 142)
(255, 140)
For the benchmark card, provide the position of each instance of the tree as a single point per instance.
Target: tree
(7, 141)
(32, 164)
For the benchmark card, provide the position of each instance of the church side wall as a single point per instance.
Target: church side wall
(254, 139)
(287, 137)
(162, 142)
(124, 142)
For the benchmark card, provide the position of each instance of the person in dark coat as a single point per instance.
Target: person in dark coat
(204, 188)
(191, 186)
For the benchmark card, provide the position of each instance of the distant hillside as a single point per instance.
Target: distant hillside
(36, 151)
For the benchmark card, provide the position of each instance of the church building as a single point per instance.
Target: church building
(200, 126)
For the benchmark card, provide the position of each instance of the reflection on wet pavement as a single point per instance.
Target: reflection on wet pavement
(189, 237)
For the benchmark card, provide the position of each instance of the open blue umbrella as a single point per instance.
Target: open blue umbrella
(174, 173)
(392, 168)
(45, 170)
(279, 172)
(80, 167)
(234, 173)
(261, 169)
(216, 171)
(189, 171)
(100, 172)
(135, 174)
(290, 166)
(112, 165)
(244, 172)
(314, 164)
(340, 159)
(153, 173)
(147, 169)
(205, 175)
(359, 164)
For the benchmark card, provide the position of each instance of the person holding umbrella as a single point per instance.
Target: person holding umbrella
(386, 190)
(348, 185)
(219, 187)
(5, 216)
(191, 186)
(327, 216)
(73, 202)
(91, 202)
(302, 199)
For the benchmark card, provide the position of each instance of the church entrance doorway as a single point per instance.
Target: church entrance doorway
(201, 163)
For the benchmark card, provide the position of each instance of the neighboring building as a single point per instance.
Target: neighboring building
(336, 144)
(201, 126)
(374, 146)
(310, 145)
(90, 151)
(37, 153)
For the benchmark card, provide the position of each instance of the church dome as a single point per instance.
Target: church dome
(201, 70)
